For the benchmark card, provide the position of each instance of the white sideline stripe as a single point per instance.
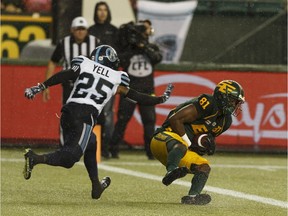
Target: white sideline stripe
(217, 190)
(260, 167)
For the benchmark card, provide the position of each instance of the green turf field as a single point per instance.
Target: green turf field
(240, 184)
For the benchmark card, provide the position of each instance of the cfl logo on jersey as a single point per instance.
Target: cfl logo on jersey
(75, 68)
(226, 86)
(208, 122)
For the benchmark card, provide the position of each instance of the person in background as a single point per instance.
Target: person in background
(108, 34)
(189, 132)
(102, 27)
(95, 80)
(79, 42)
(138, 58)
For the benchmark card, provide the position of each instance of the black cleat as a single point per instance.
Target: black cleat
(200, 199)
(171, 176)
(99, 187)
(28, 155)
(105, 182)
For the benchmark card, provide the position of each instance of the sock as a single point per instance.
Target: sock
(198, 182)
(38, 159)
(90, 160)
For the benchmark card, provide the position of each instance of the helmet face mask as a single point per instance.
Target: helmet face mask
(234, 105)
(229, 96)
(106, 56)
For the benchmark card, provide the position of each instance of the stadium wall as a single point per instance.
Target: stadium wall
(262, 126)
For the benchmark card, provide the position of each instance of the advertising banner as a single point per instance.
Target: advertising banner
(171, 22)
(261, 126)
(18, 30)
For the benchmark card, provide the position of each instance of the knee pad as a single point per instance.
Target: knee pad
(202, 168)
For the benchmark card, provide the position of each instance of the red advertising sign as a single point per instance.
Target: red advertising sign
(262, 124)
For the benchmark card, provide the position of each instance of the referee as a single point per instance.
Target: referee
(79, 42)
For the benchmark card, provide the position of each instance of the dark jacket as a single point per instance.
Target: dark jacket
(139, 64)
(106, 32)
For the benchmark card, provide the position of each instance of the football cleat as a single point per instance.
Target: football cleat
(105, 182)
(28, 163)
(171, 176)
(99, 187)
(200, 199)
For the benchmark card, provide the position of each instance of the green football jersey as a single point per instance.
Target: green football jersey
(210, 118)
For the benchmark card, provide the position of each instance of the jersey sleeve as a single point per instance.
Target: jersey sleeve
(76, 62)
(125, 80)
(61, 77)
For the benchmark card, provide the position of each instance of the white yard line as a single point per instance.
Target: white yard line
(117, 163)
(260, 167)
(217, 190)
(221, 191)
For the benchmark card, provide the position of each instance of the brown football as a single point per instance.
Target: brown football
(201, 140)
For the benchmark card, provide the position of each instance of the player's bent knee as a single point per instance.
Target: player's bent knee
(204, 168)
(68, 160)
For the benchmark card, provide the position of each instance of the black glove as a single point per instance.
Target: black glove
(211, 145)
(167, 92)
(31, 92)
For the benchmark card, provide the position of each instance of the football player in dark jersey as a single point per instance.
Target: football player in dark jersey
(96, 80)
(177, 143)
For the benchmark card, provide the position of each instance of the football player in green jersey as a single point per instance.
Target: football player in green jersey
(189, 132)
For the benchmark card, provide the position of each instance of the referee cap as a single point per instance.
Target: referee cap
(79, 22)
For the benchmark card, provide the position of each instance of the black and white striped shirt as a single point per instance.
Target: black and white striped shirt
(67, 49)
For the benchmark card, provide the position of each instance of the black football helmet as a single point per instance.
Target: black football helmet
(105, 55)
(229, 96)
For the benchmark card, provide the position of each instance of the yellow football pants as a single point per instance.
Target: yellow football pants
(159, 150)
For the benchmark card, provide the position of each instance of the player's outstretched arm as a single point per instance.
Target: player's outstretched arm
(57, 78)
(145, 99)
(32, 91)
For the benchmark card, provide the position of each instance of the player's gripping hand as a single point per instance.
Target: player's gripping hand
(31, 92)
(167, 92)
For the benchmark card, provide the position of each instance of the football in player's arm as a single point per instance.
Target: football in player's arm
(189, 132)
(96, 80)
